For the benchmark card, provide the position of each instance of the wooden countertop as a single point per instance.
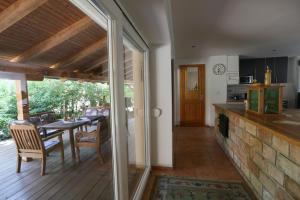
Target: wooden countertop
(285, 125)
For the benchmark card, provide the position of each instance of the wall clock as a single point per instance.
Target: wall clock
(219, 69)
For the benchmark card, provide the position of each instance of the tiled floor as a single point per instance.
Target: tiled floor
(197, 154)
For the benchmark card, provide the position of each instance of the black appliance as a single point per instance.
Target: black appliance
(223, 125)
(246, 79)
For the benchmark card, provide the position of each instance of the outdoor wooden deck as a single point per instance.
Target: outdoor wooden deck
(68, 180)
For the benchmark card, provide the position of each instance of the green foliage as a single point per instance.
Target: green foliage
(8, 107)
(65, 98)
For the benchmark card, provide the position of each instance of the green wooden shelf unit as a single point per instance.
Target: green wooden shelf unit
(265, 99)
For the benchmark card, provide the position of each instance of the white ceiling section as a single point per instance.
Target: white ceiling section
(150, 17)
(234, 27)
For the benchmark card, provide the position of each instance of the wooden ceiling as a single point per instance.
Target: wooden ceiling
(52, 38)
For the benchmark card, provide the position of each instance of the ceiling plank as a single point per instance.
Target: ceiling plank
(17, 11)
(96, 65)
(99, 45)
(55, 40)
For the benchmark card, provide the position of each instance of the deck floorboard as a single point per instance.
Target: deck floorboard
(63, 180)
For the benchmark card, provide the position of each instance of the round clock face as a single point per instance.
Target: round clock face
(219, 69)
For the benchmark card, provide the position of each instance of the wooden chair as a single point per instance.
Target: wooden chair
(29, 143)
(93, 139)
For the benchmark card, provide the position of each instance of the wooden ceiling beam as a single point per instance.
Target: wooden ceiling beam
(38, 71)
(17, 11)
(34, 77)
(104, 60)
(73, 75)
(97, 64)
(99, 45)
(55, 40)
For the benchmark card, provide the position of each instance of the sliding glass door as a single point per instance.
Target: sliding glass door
(127, 72)
(135, 113)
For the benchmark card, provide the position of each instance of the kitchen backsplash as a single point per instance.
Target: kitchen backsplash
(236, 92)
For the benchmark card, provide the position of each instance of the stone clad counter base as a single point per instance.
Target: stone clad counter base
(269, 164)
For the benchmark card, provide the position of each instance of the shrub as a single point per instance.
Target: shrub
(4, 121)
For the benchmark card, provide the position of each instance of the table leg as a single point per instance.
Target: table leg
(72, 143)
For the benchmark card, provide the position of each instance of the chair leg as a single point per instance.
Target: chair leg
(99, 155)
(78, 153)
(61, 148)
(19, 161)
(43, 167)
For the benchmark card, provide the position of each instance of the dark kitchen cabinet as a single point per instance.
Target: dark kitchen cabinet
(256, 67)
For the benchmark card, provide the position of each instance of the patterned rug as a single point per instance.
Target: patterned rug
(175, 188)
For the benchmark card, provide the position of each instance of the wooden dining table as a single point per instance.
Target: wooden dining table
(70, 125)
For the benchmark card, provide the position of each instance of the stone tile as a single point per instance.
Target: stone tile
(234, 138)
(267, 195)
(260, 162)
(268, 184)
(264, 135)
(276, 174)
(241, 123)
(253, 168)
(245, 170)
(245, 137)
(281, 194)
(288, 167)
(256, 184)
(237, 160)
(292, 187)
(295, 153)
(255, 144)
(250, 128)
(239, 132)
(281, 145)
(269, 153)
(243, 157)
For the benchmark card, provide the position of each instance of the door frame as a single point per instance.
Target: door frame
(202, 79)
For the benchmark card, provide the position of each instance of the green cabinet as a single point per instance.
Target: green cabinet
(265, 99)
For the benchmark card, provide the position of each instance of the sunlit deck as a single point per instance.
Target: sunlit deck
(68, 180)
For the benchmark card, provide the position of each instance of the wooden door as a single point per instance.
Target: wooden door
(192, 95)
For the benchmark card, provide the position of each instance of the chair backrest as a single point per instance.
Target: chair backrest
(103, 112)
(48, 118)
(91, 112)
(36, 120)
(26, 136)
(103, 133)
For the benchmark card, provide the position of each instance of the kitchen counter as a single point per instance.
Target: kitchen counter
(285, 125)
(265, 149)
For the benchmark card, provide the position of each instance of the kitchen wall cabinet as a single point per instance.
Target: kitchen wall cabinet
(256, 67)
(232, 70)
(233, 63)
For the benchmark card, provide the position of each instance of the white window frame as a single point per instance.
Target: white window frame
(129, 31)
(111, 19)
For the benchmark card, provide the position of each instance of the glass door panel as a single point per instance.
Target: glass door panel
(135, 113)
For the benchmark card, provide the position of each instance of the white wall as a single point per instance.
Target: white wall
(161, 97)
(215, 86)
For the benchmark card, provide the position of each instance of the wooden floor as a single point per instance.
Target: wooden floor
(68, 180)
(197, 154)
